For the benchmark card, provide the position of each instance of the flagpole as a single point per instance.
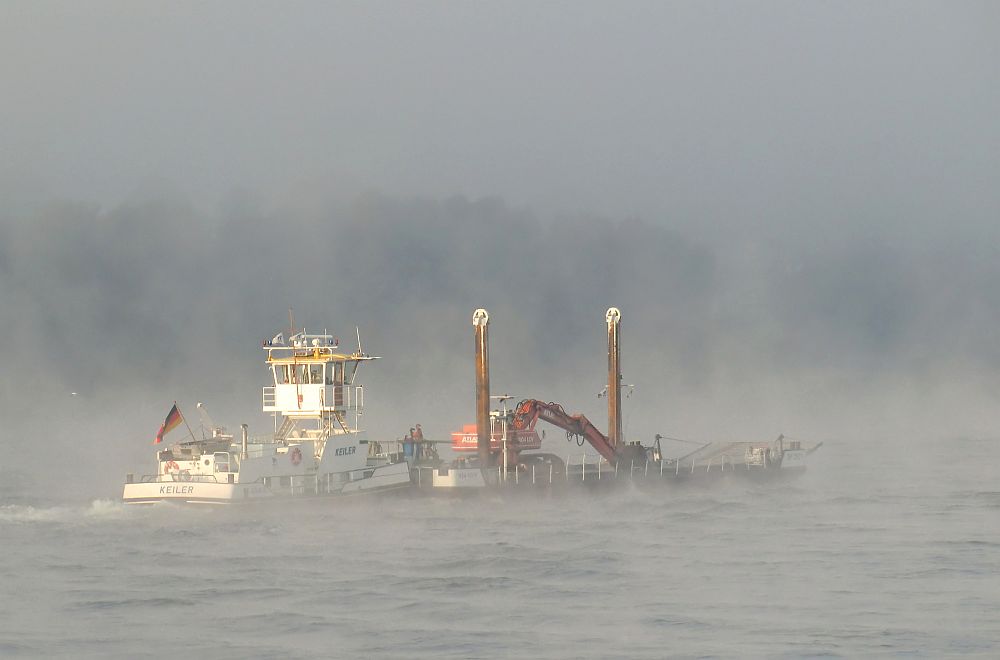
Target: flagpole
(184, 419)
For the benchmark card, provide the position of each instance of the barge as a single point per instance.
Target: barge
(318, 447)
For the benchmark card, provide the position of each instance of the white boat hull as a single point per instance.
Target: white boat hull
(192, 493)
(388, 477)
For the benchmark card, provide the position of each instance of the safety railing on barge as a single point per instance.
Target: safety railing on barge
(590, 469)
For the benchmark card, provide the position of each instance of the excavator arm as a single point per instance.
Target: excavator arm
(529, 411)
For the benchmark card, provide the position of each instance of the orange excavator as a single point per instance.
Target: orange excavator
(529, 411)
(518, 440)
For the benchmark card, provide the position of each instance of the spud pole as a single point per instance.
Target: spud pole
(480, 321)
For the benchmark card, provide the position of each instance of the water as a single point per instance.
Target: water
(873, 552)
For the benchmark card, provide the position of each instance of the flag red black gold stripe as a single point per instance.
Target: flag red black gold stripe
(172, 421)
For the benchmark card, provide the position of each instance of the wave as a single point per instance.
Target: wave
(98, 509)
(20, 513)
(107, 509)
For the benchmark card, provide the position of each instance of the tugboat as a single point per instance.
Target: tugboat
(317, 447)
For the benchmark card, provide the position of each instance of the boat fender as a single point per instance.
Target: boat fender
(295, 455)
(185, 475)
(171, 466)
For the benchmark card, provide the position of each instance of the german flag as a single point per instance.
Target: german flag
(172, 421)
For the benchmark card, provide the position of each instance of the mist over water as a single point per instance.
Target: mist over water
(792, 204)
(868, 554)
(886, 546)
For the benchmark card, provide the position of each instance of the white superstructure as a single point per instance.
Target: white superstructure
(317, 447)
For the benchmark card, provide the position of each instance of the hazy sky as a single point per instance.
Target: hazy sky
(708, 114)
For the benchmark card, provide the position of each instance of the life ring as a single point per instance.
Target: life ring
(295, 455)
(185, 475)
(171, 466)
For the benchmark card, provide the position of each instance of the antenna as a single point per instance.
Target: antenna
(206, 419)
(291, 323)
(358, 329)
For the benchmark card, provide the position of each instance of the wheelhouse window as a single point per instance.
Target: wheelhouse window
(280, 374)
(222, 461)
(338, 384)
(302, 374)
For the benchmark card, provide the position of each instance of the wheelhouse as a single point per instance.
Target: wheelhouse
(311, 377)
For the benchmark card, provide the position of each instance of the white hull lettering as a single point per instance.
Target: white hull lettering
(176, 490)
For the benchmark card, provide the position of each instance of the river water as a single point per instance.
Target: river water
(882, 548)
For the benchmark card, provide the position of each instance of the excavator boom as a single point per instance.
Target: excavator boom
(529, 411)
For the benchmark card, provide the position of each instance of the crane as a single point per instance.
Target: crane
(529, 411)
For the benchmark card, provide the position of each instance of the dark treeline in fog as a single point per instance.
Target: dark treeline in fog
(153, 300)
(792, 205)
